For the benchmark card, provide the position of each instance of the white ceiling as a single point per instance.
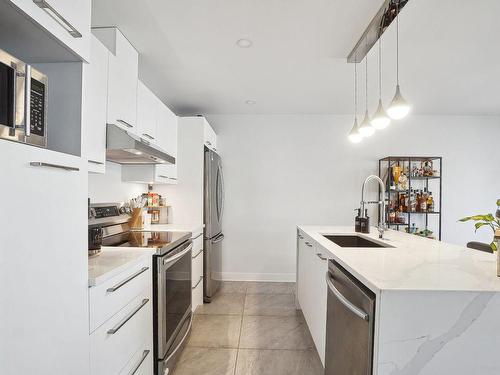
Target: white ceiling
(449, 54)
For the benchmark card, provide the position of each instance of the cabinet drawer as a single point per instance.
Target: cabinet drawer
(111, 296)
(197, 296)
(114, 343)
(197, 265)
(142, 361)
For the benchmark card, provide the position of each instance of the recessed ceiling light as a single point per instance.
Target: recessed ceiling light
(250, 102)
(244, 43)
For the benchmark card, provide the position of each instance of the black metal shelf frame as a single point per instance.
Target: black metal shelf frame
(391, 160)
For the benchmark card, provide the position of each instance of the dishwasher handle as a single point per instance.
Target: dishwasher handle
(354, 309)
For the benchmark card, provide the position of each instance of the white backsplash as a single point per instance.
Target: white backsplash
(109, 188)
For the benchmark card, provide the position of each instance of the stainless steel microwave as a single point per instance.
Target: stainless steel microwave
(23, 102)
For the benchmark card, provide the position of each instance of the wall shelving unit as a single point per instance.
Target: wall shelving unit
(412, 168)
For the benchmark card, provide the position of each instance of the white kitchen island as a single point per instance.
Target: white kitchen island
(437, 305)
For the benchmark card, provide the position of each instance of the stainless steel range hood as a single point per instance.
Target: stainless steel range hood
(123, 147)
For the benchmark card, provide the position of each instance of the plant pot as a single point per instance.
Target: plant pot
(497, 238)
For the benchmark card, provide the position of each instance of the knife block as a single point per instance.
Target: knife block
(136, 221)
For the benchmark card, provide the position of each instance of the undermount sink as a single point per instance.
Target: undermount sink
(345, 240)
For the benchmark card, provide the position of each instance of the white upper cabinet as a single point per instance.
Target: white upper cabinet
(94, 108)
(122, 78)
(147, 113)
(209, 136)
(167, 130)
(67, 21)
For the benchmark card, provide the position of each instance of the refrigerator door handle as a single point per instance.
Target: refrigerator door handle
(218, 239)
(222, 193)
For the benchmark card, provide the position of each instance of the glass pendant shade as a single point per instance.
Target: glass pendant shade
(380, 119)
(399, 107)
(366, 129)
(354, 135)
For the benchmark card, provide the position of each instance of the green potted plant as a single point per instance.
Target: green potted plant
(487, 220)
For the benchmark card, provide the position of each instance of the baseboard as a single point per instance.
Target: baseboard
(242, 276)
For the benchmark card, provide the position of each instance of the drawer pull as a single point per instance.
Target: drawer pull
(320, 256)
(198, 283)
(198, 253)
(308, 244)
(119, 285)
(148, 136)
(115, 329)
(54, 14)
(57, 166)
(123, 122)
(136, 367)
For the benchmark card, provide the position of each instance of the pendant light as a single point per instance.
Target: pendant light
(399, 107)
(380, 119)
(354, 135)
(366, 129)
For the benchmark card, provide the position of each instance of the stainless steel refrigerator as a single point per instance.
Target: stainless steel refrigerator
(212, 212)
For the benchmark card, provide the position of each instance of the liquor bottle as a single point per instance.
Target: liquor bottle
(430, 203)
(417, 201)
(423, 201)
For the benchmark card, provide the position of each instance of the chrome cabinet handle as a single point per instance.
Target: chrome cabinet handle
(136, 367)
(308, 244)
(123, 122)
(320, 256)
(198, 253)
(49, 165)
(300, 236)
(128, 279)
(54, 14)
(148, 136)
(163, 176)
(95, 162)
(115, 329)
(354, 309)
(208, 143)
(198, 283)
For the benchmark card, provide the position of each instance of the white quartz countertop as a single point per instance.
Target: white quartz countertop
(113, 260)
(413, 263)
(195, 229)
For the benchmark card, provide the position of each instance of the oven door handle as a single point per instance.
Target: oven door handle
(178, 255)
(27, 101)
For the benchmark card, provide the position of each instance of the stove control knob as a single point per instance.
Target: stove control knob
(123, 210)
(92, 213)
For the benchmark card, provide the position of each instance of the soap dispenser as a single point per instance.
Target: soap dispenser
(364, 223)
(357, 221)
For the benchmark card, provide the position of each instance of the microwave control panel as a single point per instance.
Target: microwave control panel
(37, 108)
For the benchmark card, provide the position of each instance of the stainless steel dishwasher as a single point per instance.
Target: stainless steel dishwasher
(350, 324)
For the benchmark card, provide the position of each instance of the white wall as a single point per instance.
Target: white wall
(109, 188)
(281, 171)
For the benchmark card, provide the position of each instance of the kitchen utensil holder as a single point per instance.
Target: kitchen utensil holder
(136, 221)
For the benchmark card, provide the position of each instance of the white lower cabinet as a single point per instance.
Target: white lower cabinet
(43, 262)
(197, 272)
(121, 319)
(312, 290)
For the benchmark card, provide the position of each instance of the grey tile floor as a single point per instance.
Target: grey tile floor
(250, 328)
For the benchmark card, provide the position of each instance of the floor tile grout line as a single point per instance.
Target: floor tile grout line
(239, 337)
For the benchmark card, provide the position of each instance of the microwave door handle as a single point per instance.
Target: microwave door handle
(14, 99)
(27, 101)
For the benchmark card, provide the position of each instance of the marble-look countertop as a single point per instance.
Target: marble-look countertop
(195, 229)
(413, 263)
(113, 260)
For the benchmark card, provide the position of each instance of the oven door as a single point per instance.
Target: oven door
(173, 300)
